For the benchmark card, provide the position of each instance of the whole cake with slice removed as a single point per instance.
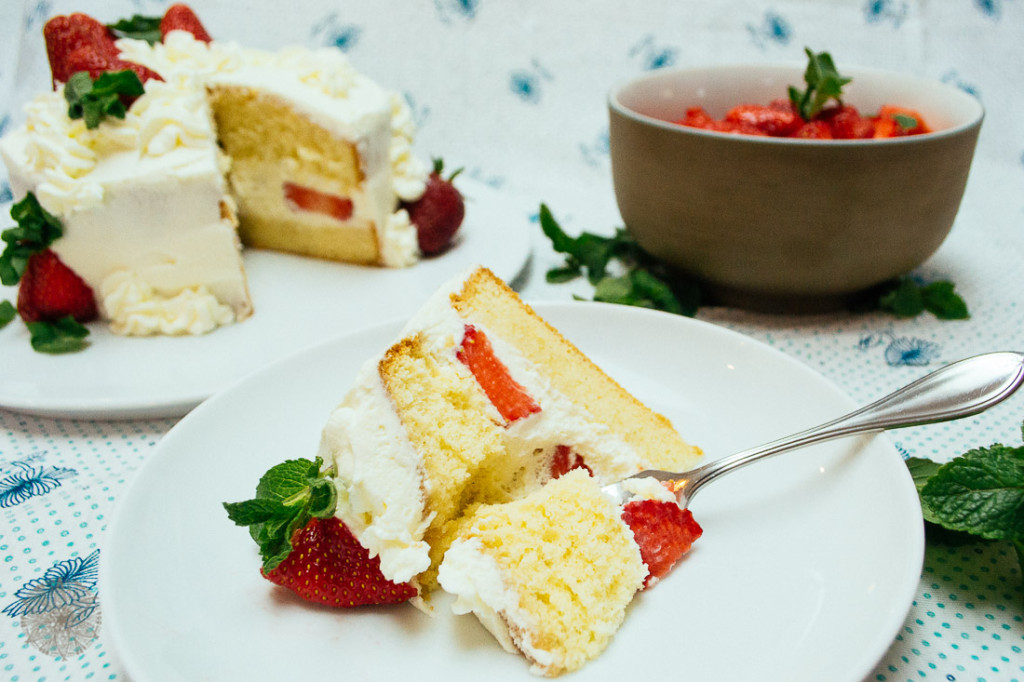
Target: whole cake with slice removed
(156, 159)
(468, 456)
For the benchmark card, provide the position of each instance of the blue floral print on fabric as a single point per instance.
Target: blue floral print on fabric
(526, 83)
(990, 8)
(773, 30)
(332, 31)
(450, 10)
(60, 612)
(652, 56)
(598, 150)
(953, 78)
(886, 11)
(5, 192)
(27, 481)
(901, 351)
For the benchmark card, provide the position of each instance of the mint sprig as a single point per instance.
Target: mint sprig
(36, 229)
(978, 495)
(94, 100)
(823, 82)
(906, 297)
(138, 27)
(641, 281)
(287, 497)
(62, 336)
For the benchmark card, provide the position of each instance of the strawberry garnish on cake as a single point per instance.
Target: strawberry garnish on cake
(53, 301)
(180, 17)
(505, 393)
(437, 214)
(663, 531)
(78, 43)
(304, 547)
(50, 291)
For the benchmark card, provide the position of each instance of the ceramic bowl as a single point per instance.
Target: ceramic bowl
(787, 224)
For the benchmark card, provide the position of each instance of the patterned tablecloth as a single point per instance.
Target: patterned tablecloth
(515, 92)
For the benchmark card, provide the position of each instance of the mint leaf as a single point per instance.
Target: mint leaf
(139, 28)
(905, 121)
(63, 336)
(980, 492)
(36, 229)
(943, 302)
(907, 298)
(823, 84)
(644, 281)
(287, 497)
(93, 100)
(7, 313)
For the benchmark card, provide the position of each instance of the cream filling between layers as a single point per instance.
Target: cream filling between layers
(379, 474)
(324, 86)
(476, 581)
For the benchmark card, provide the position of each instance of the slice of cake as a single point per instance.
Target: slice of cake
(481, 401)
(476, 445)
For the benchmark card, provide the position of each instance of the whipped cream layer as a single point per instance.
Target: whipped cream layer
(380, 480)
(144, 195)
(323, 86)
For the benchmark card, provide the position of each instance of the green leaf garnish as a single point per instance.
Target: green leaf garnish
(906, 298)
(139, 28)
(643, 281)
(7, 313)
(93, 100)
(36, 230)
(977, 496)
(980, 492)
(63, 336)
(905, 122)
(287, 497)
(823, 84)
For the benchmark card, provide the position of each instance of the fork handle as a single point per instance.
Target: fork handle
(960, 389)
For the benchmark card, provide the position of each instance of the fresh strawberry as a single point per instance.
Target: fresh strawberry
(664, 533)
(814, 130)
(67, 34)
(777, 119)
(301, 198)
(327, 565)
(565, 460)
(437, 214)
(895, 121)
(511, 399)
(304, 547)
(50, 291)
(180, 17)
(846, 123)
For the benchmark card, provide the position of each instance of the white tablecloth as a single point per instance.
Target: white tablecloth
(515, 92)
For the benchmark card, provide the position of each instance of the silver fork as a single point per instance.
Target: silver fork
(960, 389)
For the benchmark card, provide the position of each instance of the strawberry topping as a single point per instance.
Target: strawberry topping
(327, 565)
(511, 399)
(180, 17)
(565, 460)
(777, 119)
(50, 291)
(437, 214)
(301, 198)
(663, 531)
(80, 43)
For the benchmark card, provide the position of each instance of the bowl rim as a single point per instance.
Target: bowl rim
(616, 106)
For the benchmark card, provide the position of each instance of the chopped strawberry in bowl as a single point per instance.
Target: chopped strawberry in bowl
(790, 188)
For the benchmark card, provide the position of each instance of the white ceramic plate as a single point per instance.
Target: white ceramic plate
(299, 302)
(805, 572)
